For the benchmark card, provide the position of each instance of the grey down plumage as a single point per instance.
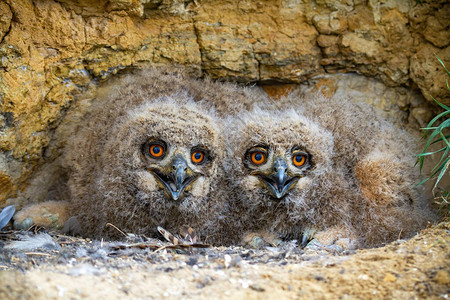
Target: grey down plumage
(115, 178)
(325, 166)
(329, 166)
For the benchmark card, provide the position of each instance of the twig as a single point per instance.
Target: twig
(113, 226)
(37, 253)
(162, 248)
(158, 248)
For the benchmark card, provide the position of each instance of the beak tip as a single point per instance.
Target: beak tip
(175, 195)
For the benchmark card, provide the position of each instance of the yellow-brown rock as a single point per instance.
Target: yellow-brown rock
(428, 73)
(51, 51)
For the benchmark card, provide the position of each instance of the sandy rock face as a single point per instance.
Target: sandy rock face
(51, 51)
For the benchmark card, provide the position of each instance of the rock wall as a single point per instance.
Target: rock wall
(52, 51)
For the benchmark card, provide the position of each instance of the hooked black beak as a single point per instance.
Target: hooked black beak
(279, 182)
(177, 179)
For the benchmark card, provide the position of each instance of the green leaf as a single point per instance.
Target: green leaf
(444, 139)
(438, 169)
(430, 153)
(441, 104)
(440, 139)
(442, 63)
(443, 155)
(430, 139)
(442, 158)
(423, 181)
(445, 124)
(447, 163)
(420, 160)
(437, 118)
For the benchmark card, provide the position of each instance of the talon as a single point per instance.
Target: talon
(314, 245)
(308, 236)
(335, 248)
(305, 240)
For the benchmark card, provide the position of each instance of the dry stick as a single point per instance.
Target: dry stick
(113, 226)
(161, 248)
(327, 249)
(36, 228)
(37, 253)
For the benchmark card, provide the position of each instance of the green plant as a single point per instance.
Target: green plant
(438, 135)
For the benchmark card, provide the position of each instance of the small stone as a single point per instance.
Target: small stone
(389, 278)
(192, 261)
(422, 115)
(327, 40)
(442, 277)
(330, 24)
(257, 288)
(227, 261)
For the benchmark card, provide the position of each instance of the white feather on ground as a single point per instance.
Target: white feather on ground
(40, 241)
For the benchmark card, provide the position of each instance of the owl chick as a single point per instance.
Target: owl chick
(324, 167)
(153, 166)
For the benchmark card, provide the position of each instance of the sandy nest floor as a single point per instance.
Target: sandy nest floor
(51, 266)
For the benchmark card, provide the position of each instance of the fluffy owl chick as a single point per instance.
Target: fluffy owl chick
(324, 166)
(155, 165)
(283, 174)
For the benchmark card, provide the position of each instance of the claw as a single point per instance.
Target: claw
(314, 245)
(308, 236)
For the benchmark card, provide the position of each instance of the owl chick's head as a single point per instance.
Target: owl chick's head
(164, 153)
(277, 157)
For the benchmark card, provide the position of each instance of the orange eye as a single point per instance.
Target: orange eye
(197, 157)
(258, 158)
(156, 150)
(299, 160)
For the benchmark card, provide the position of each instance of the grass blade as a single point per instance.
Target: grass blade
(442, 63)
(444, 169)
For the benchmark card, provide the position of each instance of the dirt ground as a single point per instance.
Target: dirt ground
(42, 266)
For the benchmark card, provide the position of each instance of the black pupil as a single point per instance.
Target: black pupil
(298, 158)
(197, 155)
(156, 149)
(258, 156)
